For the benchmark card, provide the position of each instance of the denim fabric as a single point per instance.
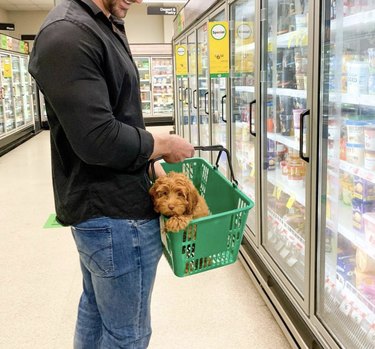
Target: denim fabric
(118, 259)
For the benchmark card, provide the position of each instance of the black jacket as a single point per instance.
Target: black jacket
(99, 147)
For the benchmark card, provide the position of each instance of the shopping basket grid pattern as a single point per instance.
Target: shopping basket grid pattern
(213, 241)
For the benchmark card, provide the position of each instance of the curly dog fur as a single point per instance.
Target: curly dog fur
(175, 196)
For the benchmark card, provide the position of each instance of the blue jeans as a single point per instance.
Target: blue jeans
(118, 259)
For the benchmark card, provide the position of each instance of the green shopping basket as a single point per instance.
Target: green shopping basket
(213, 241)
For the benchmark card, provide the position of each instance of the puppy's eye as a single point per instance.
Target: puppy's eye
(180, 194)
(162, 193)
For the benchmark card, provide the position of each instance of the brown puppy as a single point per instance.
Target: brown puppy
(175, 196)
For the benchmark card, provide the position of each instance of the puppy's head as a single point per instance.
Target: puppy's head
(174, 195)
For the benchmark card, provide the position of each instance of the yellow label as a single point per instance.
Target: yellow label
(291, 202)
(274, 191)
(219, 48)
(181, 60)
(7, 67)
(278, 194)
(252, 173)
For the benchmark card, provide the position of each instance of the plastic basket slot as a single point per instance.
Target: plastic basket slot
(191, 232)
(188, 251)
(188, 170)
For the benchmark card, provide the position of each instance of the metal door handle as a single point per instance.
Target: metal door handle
(222, 108)
(301, 140)
(186, 89)
(205, 103)
(194, 98)
(251, 117)
(180, 93)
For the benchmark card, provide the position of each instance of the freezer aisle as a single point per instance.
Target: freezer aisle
(41, 280)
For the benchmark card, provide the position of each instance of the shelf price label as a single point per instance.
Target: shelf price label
(291, 202)
(181, 58)
(219, 49)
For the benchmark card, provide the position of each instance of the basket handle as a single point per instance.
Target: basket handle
(220, 149)
(151, 164)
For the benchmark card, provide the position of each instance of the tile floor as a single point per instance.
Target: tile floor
(41, 283)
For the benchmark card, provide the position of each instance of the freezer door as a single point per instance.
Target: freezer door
(243, 102)
(285, 164)
(345, 289)
(143, 65)
(218, 107)
(203, 89)
(192, 92)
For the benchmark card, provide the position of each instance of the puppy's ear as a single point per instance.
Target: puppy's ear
(152, 192)
(192, 198)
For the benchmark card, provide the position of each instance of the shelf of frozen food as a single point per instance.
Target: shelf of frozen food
(348, 98)
(289, 92)
(358, 20)
(292, 235)
(289, 141)
(145, 80)
(296, 191)
(244, 88)
(344, 226)
(163, 94)
(353, 169)
(147, 91)
(143, 69)
(291, 39)
(146, 101)
(158, 85)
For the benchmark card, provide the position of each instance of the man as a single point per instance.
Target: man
(100, 151)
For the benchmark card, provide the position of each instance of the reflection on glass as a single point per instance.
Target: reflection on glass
(203, 102)
(286, 68)
(26, 90)
(143, 64)
(242, 84)
(218, 110)
(7, 92)
(346, 288)
(192, 92)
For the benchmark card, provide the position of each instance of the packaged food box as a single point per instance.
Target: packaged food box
(363, 189)
(359, 208)
(369, 222)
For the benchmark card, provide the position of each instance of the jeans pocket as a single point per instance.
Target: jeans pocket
(94, 245)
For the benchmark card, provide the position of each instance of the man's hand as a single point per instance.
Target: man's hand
(172, 148)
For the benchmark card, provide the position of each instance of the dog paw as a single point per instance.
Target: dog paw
(177, 223)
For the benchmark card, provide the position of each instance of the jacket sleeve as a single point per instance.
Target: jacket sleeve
(66, 63)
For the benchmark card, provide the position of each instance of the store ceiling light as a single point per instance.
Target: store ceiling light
(165, 1)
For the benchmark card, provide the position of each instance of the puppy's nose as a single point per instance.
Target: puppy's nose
(171, 207)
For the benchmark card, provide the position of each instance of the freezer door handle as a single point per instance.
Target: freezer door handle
(205, 103)
(186, 95)
(251, 117)
(222, 107)
(195, 99)
(301, 139)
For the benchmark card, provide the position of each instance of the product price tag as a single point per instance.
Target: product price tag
(278, 193)
(252, 173)
(291, 202)
(274, 191)
(371, 336)
(345, 307)
(356, 316)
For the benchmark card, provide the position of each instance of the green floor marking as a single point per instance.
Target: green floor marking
(52, 222)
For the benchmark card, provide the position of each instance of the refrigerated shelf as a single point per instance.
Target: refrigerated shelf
(275, 177)
(353, 169)
(289, 92)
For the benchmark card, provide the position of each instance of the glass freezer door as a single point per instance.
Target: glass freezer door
(346, 240)
(7, 92)
(162, 86)
(285, 166)
(26, 91)
(192, 92)
(143, 65)
(242, 14)
(218, 110)
(203, 99)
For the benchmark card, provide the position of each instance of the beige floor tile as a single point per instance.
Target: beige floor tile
(41, 282)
